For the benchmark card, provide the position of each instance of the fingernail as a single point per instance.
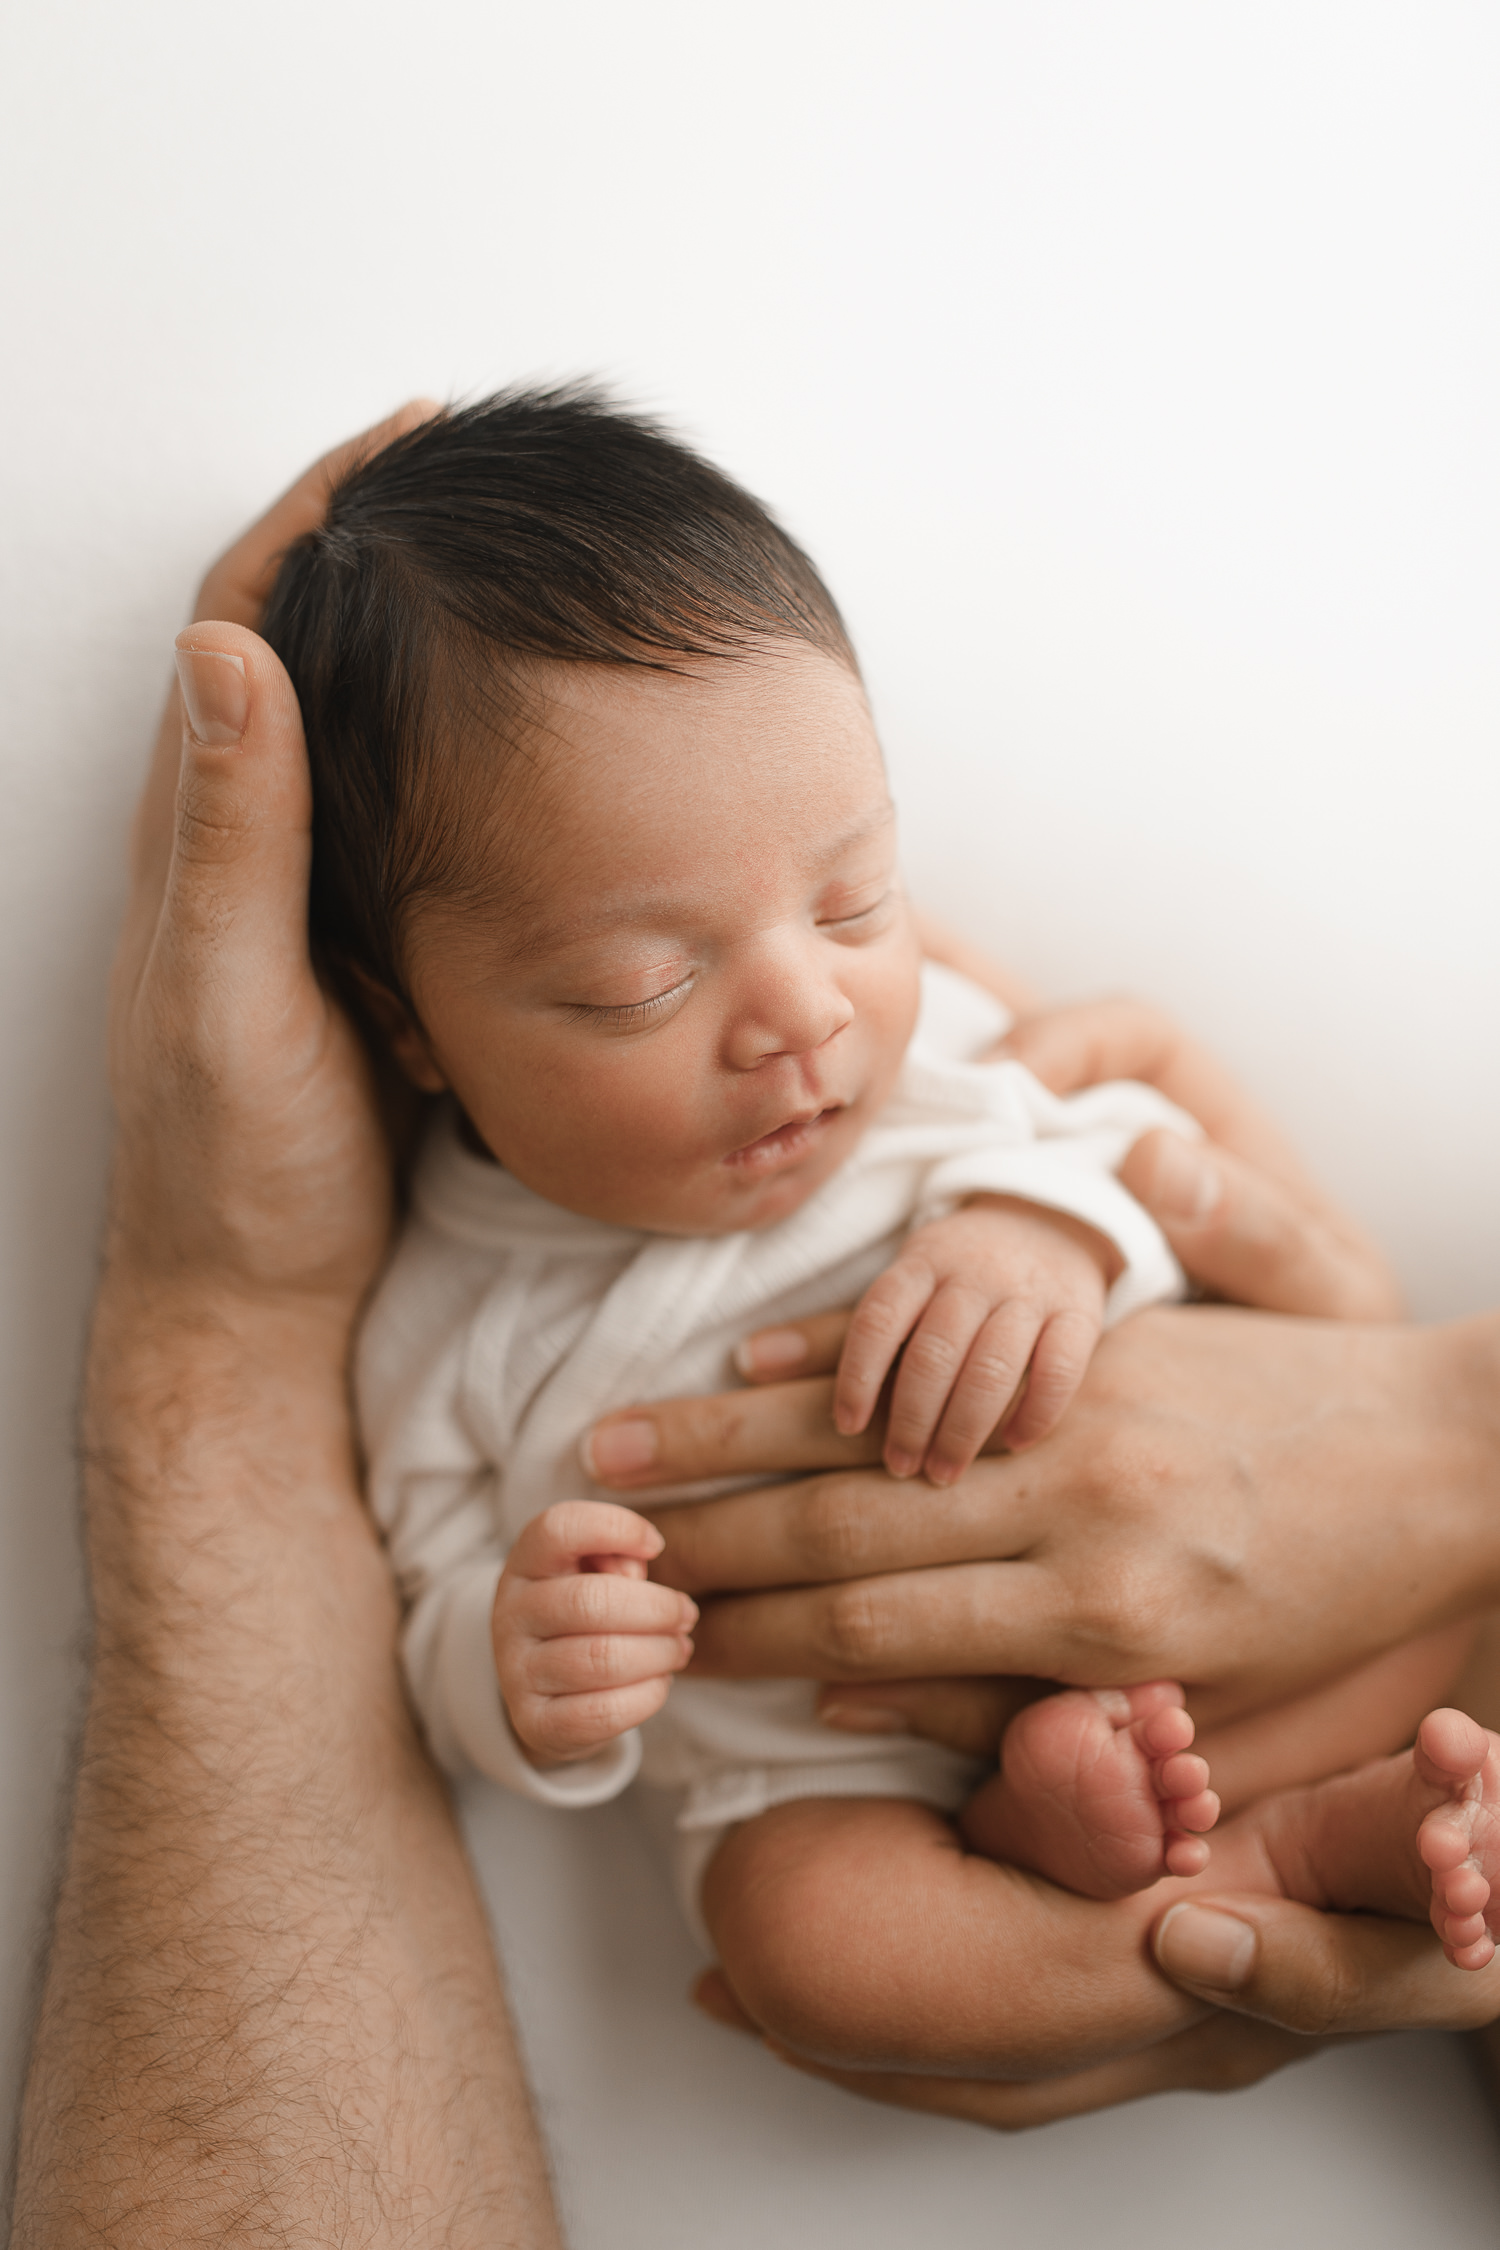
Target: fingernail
(771, 1352)
(902, 1464)
(1197, 1945)
(215, 693)
(618, 1449)
(688, 1612)
(1187, 1183)
(863, 1718)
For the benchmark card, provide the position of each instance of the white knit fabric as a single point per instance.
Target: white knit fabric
(506, 1326)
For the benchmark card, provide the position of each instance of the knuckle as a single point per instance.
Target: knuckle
(856, 1628)
(832, 1532)
(930, 1357)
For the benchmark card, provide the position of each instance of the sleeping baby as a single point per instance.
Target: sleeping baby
(604, 852)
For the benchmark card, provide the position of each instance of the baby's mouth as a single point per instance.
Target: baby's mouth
(785, 1145)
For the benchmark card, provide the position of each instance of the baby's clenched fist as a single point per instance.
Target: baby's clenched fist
(585, 1645)
(997, 1294)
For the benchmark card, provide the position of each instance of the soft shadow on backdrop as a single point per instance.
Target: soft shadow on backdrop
(1131, 373)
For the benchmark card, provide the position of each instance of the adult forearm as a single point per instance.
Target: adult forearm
(272, 2010)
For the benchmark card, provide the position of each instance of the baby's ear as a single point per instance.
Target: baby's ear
(401, 1031)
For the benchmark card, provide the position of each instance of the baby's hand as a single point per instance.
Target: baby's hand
(999, 1292)
(585, 1646)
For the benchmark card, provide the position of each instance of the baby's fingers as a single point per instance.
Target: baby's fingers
(930, 1367)
(587, 1535)
(986, 1384)
(1058, 1365)
(568, 1727)
(882, 1318)
(593, 1602)
(587, 1662)
(983, 1389)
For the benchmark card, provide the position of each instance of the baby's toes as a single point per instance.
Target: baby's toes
(1458, 1929)
(1463, 1891)
(1443, 1842)
(1182, 1776)
(1165, 1732)
(1479, 1955)
(1196, 1814)
(1186, 1855)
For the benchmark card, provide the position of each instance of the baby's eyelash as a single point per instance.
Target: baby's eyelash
(632, 1015)
(843, 921)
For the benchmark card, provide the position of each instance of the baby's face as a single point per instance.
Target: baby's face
(701, 976)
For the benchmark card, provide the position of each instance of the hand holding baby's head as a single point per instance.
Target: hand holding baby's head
(603, 837)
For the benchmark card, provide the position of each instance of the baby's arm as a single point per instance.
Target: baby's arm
(585, 1646)
(997, 1293)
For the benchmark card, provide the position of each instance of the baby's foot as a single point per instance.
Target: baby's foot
(1459, 1839)
(1095, 1791)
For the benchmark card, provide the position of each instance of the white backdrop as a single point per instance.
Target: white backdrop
(1132, 373)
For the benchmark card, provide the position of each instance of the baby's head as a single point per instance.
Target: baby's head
(602, 831)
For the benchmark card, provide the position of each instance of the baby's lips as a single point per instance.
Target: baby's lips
(619, 1449)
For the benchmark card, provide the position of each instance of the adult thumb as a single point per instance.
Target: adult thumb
(1320, 1974)
(1244, 1236)
(241, 821)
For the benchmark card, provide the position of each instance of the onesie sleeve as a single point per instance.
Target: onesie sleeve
(1066, 1160)
(432, 1493)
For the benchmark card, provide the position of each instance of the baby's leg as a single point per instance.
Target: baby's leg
(1096, 1792)
(1418, 1834)
(857, 1930)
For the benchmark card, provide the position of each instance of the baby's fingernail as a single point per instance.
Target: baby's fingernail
(214, 693)
(618, 1449)
(1198, 1945)
(772, 1352)
(902, 1464)
(687, 1610)
(1186, 1183)
(943, 1472)
(863, 1718)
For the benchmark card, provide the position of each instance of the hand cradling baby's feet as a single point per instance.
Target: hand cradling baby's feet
(1459, 1838)
(1097, 1791)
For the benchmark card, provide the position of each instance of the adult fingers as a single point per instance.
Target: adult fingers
(676, 1441)
(803, 1347)
(847, 1525)
(907, 1624)
(241, 840)
(965, 1715)
(1320, 1974)
(1243, 1235)
(238, 584)
(235, 591)
(1091, 1042)
(1221, 2055)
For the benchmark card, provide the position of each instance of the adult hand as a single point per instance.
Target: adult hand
(1230, 1501)
(271, 1990)
(1243, 1214)
(250, 1158)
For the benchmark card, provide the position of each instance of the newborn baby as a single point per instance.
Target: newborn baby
(604, 850)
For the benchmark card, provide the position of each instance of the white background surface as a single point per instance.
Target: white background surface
(1132, 373)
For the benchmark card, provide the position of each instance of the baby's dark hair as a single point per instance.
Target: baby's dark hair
(539, 524)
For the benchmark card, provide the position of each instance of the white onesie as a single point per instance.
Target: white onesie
(505, 1326)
